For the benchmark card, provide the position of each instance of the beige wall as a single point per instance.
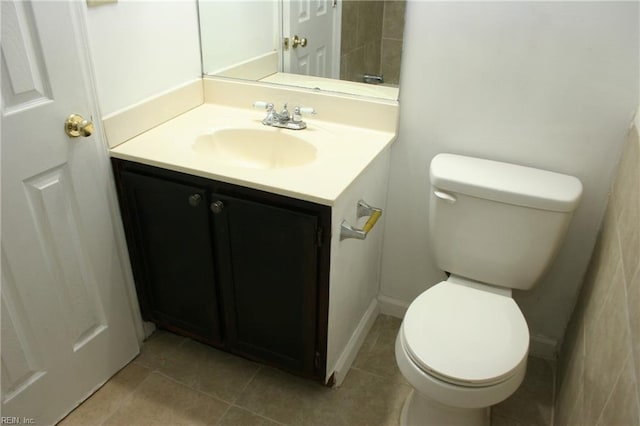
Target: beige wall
(598, 372)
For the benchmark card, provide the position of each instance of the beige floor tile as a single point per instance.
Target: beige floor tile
(158, 348)
(377, 354)
(239, 417)
(505, 421)
(209, 370)
(188, 376)
(363, 399)
(161, 401)
(531, 403)
(106, 400)
(287, 399)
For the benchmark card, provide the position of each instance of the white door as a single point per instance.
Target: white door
(66, 321)
(317, 22)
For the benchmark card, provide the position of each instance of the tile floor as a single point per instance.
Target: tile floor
(176, 381)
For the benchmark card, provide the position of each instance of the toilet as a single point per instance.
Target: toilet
(463, 343)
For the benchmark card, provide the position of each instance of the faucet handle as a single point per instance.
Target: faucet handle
(264, 105)
(304, 110)
(298, 111)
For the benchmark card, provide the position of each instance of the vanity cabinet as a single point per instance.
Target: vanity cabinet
(243, 270)
(171, 250)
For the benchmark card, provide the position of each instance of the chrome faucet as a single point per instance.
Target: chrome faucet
(284, 119)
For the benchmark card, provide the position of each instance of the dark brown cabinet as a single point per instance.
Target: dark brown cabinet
(171, 252)
(237, 268)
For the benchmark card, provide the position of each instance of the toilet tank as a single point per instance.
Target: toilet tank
(498, 223)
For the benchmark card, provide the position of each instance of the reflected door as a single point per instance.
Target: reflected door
(66, 322)
(316, 24)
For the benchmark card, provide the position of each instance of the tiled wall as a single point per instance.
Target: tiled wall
(599, 368)
(371, 39)
(392, 33)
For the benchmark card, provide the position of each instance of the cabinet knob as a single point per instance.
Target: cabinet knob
(194, 200)
(217, 206)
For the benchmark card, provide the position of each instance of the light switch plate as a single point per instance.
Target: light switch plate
(95, 3)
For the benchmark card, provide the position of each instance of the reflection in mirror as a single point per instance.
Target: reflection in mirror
(351, 46)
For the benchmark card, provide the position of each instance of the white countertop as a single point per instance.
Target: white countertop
(343, 152)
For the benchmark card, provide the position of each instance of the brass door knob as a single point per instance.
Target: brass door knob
(297, 41)
(75, 125)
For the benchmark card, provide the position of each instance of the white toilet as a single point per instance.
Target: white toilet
(463, 343)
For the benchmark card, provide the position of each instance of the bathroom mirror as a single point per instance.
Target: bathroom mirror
(333, 45)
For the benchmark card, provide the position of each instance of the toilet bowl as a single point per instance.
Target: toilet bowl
(463, 343)
(477, 360)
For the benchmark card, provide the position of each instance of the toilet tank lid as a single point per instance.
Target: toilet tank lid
(506, 183)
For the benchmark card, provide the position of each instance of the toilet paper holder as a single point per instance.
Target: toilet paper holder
(363, 209)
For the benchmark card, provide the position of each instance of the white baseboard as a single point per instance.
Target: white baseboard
(394, 307)
(355, 342)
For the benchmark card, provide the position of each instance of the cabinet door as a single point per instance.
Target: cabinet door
(172, 254)
(268, 264)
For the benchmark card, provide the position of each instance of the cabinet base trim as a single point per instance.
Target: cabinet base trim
(355, 342)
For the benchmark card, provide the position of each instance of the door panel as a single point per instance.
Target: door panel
(22, 363)
(52, 203)
(169, 224)
(269, 273)
(25, 81)
(316, 22)
(66, 319)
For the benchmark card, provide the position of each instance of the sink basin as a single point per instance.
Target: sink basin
(267, 148)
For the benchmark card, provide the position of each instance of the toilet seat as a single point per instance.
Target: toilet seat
(466, 333)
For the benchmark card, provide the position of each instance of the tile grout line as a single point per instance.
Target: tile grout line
(217, 398)
(224, 414)
(244, 388)
(626, 285)
(229, 403)
(120, 403)
(258, 415)
(233, 404)
(636, 374)
(234, 401)
(379, 376)
(613, 388)
(554, 377)
(361, 370)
